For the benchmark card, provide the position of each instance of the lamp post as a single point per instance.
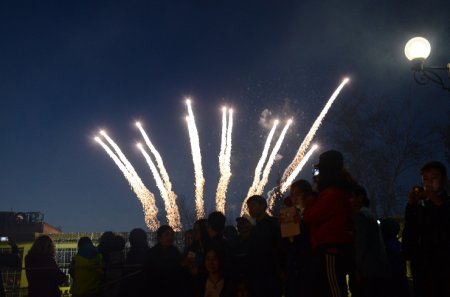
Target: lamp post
(417, 51)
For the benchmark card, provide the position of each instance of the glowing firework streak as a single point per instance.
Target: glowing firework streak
(223, 141)
(271, 160)
(121, 156)
(197, 160)
(144, 195)
(172, 197)
(224, 160)
(305, 159)
(259, 166)
(172, 214)
(228, 149)
(290, 173)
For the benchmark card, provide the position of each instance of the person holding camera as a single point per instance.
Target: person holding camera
(10, 260)
(329, 217)
(426, 236)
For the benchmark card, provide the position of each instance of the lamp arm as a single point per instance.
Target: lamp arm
(425, 74)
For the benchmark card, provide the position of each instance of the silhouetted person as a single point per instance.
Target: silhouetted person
(297, 264)
(188, 238)
(329, 217)
(397, 283)
(86, 270)
(371, 265)
(163, 266)
(230, 234)
(215, 228)
(264, 250)
(9, 260)
(426, 236)
(216, 284)
(241, 264)
(194, 258)
(43, 274)
(217, 241)
(111, 246)
(133, 283)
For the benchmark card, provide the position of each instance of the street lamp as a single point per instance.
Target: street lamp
(417, 51)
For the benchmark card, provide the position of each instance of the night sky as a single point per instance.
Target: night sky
(70, 68)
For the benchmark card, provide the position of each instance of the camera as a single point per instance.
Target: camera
(316, 171)
(418, 189)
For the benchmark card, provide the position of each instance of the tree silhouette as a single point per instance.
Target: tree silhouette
(380, 146)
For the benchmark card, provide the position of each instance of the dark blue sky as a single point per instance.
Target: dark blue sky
(69, 68)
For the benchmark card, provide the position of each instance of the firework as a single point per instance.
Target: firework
(290, 173)
(173, 217)
(224, 160)
(271, 159)
(262, 160)
(197, 160)
(297, 169)
(144, 195)
(171, 196)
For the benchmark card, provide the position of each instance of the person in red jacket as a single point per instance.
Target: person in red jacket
(329, 217)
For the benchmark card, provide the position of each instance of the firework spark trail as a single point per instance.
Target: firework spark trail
(225, 177)
(259, 166)
(223, 141)
(172, 214)
(262, 160)
(305, 159)
(144, 195)
(271, 159)
(223, 144)
(289, 173)
(228, 146)
(197, 160)
(119, 153)
(172, 197)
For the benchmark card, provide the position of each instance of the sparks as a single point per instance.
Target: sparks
(146, 198)
(171, 196)
(271, 159)
(290, 173)
(197, 160)
(172, 213)
(224, 160)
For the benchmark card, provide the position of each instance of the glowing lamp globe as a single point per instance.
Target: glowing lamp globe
(417, 48)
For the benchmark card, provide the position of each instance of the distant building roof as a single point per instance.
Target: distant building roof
(23, 226)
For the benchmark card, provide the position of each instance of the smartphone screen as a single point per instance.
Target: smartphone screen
(316, 171)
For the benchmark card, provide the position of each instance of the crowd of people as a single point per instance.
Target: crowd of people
(333, 245)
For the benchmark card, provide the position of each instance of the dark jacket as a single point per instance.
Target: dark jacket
(229, 288)
(265, 259)
(43, 276)
(134, 282)
(427, 230)
(163, 273)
